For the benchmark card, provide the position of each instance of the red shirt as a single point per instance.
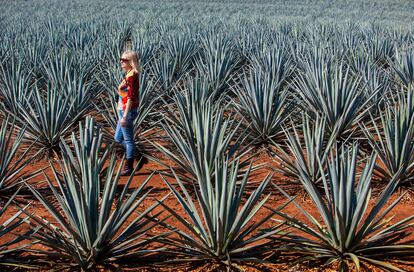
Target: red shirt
(129, 89)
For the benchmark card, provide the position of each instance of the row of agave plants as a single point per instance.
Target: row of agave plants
(267, 91)
(333, 105)
(95, 224)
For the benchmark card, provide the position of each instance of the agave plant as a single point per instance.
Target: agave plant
(200, 91)
(175, 62)
(277, 62)
(219, 227)
(95, 226)
(47, 117)
(79, 38)
(182, 49)
(81, 93)
(379, 49)
(68, 66)
(350, 232)
(263, 102)
(13, 158)
(36, 51)
(200, 134)
(218, 61)
(308, 147)
(392, 138)
(376, 80)
(326, 89)
(146, 46)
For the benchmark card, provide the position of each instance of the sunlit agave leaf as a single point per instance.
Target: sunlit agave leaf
(164, 69)
(81, 94)
(72, 75)
(329, 90)
(200, 91)
(67, 66)
(92, 223)
(276, 62)
(181, 48)
(380, 49)
(350, 231)
(376, 80)
(116, 34)
(200, 134)
(145, 47)
(36, 50)
(11, 247)
(262, 102)
(308, 146)
(217, 61)
(392, 136)
(13, 163)
(219, 226)
(80, 38)
(47, 117)
(404, 67)
(16, 83)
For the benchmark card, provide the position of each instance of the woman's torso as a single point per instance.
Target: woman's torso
(129, 89)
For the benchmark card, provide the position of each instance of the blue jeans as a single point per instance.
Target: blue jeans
(125, 135)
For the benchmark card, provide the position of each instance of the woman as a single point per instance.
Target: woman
(128, 103)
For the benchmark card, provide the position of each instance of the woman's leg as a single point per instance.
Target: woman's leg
(129, 141)
(128, 136)
(119, 135)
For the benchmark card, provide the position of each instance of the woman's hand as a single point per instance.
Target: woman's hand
(123, 121)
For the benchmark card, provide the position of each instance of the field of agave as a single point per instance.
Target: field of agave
(278, 136)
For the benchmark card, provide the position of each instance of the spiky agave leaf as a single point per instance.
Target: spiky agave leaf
(219, 227)
(94, 225)
(10, 251)
(48, 117)
(16, 84)
(404, 67)
(218, 61)
(182, 49)
(175, 61)
(326, 89)
(392, 139)
(13, 163)
(376, 79)
(378, 49)
(275, 61)
(66, 66)
(201, 91)
(262, 102)
(200, 134)
(350, 231)
(106, 104)
(81, 92)
(308, 145)
(145, 46)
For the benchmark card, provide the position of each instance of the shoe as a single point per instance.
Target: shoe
(128, 167)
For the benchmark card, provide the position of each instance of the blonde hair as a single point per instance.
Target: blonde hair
(133, 57)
